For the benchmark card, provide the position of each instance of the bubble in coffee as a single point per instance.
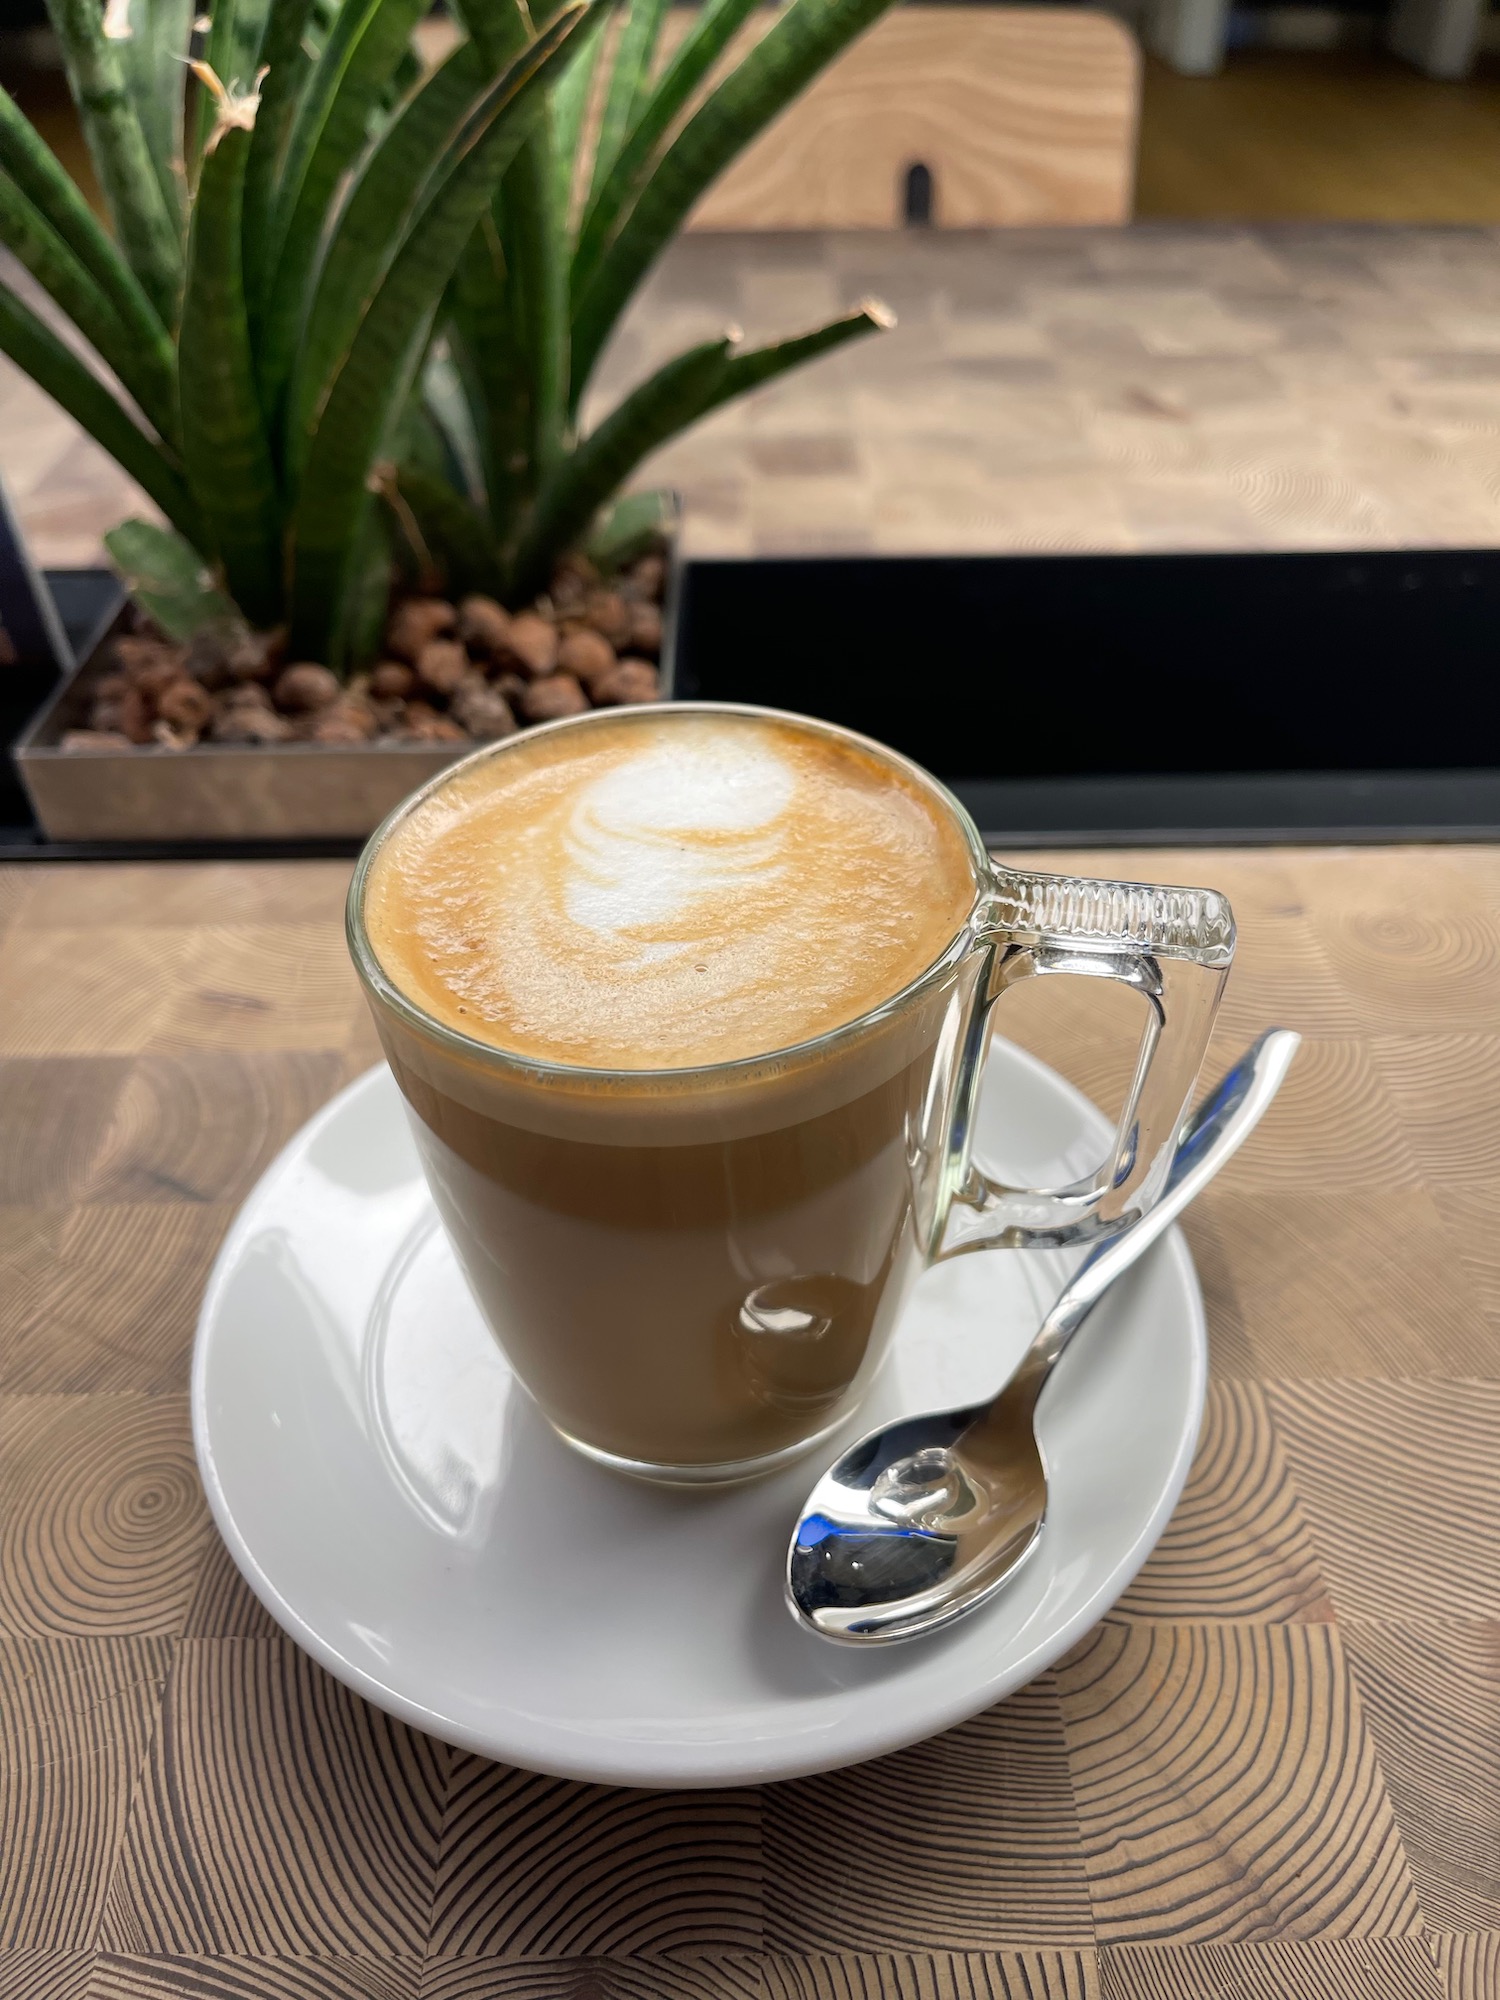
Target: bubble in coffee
(667, 889)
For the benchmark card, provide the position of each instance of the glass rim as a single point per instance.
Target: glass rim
(541, 1069)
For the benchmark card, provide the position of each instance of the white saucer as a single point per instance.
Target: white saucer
(400, 1507)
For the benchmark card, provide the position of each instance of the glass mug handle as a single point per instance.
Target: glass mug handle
(1172, 946)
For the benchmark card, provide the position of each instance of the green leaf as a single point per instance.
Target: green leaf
(153, 57)
(122, 159)
(452, 534)
(146, 371)
(677, 395)
(714, 28)
(369, 599)
(37, 172)
(629, 83)
(663, 404)
(224, 441)
(570, 102)
(804, 40)
(329, 130)
(391, 190)
(536, 262)
(288, 64)
(167, 578)
(746, 371)
(634, 525)
(381, 363)
(448, 406)
(483, 338)
(37, 351)
(498, 28)
(129, 341)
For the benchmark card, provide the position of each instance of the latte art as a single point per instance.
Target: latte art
(668, 830)
(666, 888)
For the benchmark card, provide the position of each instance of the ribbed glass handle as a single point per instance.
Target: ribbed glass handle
(1172, 946)
(1075, 910)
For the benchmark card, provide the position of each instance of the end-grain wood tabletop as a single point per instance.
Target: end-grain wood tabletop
(1274, 1769)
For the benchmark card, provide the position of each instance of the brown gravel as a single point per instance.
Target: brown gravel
(530, 646)
(587, 655)
(609, 613)
(305, 687)
(554, 696)
(414, 622)
(632, 680)
(186, 705)
(441, 666)
(464, 673)
(483, 625)
(393, 680)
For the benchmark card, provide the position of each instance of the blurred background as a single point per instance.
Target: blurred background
(1184, 275)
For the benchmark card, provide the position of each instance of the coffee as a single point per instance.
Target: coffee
(690, 1268)
(667, 890)
(688, 1007)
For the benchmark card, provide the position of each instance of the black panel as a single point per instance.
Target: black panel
(1045, 665)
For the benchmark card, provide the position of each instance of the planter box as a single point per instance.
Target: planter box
(1133, 699)
(1067, 699)
(297, 794)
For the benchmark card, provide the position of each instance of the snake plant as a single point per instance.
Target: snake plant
(497, 475)
(343, 296)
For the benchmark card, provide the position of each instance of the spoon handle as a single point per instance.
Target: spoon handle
(1215, 1131)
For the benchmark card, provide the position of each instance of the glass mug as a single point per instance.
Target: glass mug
(695, 1272)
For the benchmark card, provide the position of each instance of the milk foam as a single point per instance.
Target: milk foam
(666, 888)
(670, 827)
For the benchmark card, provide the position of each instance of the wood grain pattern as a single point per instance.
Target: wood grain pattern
(534, 1867)
(1022, 115)
(54, 1111)
(120, 1978)
(1283, 972)
(278, 1814)
(44, 1975)
(262, 986)
(76, 1716)
(1441, 1758)
(1470, 1965)
(102, 1519)
(725, 1976)
(1227, 1788)
(1000, 1975)
(1238, 1546)
(201, 1125)
(223, 1605)
(1471, 1219)
(1398, 1480)
(1263, 1776)
(104, 1298)
(1351, 1969)
(96, 990)
(1333, 1128)
(1419, 968)
(1437, 1081)
(1364, 1282)
(998, 1864)
(169, 894)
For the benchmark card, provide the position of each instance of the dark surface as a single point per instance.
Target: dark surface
(1178, 696)
(86, 601)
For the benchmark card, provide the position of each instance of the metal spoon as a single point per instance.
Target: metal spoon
(920, 1522)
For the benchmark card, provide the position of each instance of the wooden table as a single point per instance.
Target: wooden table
(1273, 1770)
